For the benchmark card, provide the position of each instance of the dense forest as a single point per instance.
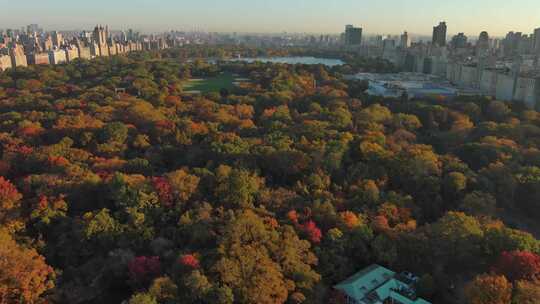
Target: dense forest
(115, 185)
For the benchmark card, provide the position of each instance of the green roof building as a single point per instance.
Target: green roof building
(378, 285)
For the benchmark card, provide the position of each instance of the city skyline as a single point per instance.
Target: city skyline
(386, 17)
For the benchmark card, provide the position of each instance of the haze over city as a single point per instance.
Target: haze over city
(269, 152)
(313, 16)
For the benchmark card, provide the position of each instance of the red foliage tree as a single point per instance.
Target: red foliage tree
(29, 130)
(57, 161)
(518, 265)
(8, 192)
(164, 190)
(143, 269)
(9, 202)
(313, 232)
(190, 261)
(380, 223)
(25, 150)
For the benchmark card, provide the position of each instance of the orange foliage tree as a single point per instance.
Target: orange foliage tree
(24, 275)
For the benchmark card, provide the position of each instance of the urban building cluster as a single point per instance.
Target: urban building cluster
(505, 68)
(32, 45)
(409, 85)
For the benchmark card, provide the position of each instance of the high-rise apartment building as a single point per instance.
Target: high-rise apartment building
(439, 34)
(353, 35)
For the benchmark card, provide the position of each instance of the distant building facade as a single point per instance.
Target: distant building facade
(38, 58)
(5, 62)
(72, 53)
(57, 56)
(84, 52)
(18, 58)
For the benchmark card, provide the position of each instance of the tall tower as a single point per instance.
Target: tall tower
(405, 41)
(439, 34)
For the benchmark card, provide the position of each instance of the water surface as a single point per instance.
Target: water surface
(294, 60)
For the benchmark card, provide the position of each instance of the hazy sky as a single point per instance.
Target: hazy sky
(324, 16)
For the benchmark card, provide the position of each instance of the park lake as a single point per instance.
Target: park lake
(294, 60)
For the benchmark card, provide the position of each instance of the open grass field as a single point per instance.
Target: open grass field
(213, 84)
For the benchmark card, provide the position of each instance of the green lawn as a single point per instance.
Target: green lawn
(213, 84)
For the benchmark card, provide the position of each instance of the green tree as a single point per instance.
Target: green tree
(456, 238)
(142, 298)
(236, 187)
(479, 203)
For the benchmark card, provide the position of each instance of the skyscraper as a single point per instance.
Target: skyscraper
(537, 41)
(439, 34)
(405, 40)
(483, 40)
(353, 35)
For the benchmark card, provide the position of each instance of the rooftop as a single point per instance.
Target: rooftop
(375, 284)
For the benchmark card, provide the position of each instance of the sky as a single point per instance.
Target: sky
(275, 16)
